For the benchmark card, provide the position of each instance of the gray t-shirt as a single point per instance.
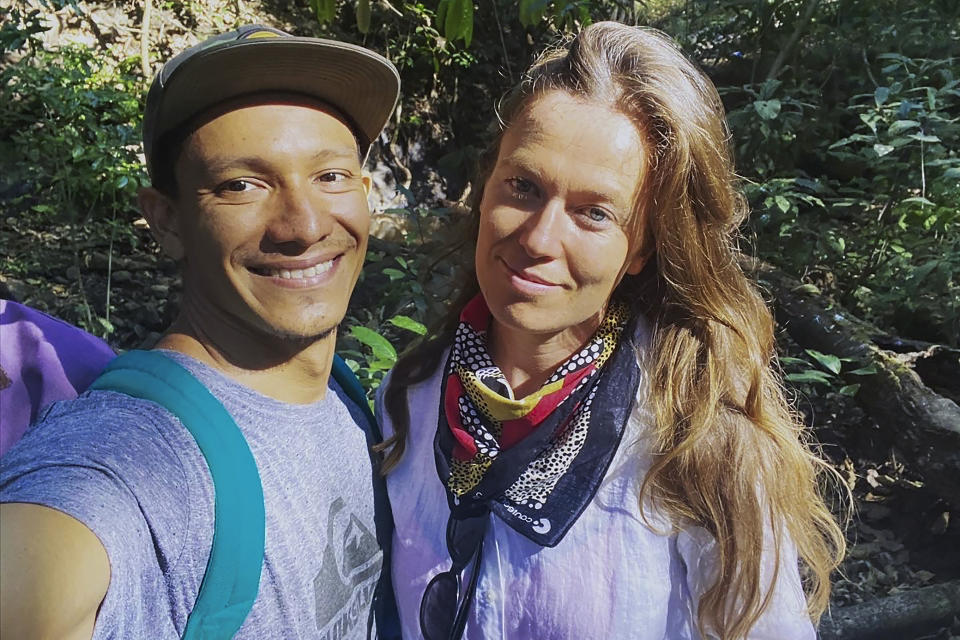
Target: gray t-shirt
(133, 474)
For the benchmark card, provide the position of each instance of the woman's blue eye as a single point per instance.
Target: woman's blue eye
(597, 215)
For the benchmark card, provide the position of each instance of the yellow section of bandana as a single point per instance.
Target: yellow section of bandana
(495, 406)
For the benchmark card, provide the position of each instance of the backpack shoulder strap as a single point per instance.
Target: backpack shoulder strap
(232, 577)
(384, 607)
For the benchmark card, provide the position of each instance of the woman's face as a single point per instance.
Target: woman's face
(554, 235)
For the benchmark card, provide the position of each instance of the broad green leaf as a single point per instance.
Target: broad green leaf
(882, 149)
(952, 172)
(829, 361)
(381, 347)
(810, 375)
(106, 324)
(902, 125)
(849, 390)
(796, 361)
(408, 323)
(782, 203)
(468, 29)
(919, 199)
(880, 95)
(442, 13)
(767, 109)
(393, 274)
(326, 10)
(459, 14)
(363, 16)
(122, 181)
(531, 11)
(924, 138)
(864, 371)
(808, 288)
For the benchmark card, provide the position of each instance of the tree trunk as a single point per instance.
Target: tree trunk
(904, 615)
(924, 424)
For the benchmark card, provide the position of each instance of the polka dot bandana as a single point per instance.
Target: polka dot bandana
(535, 461)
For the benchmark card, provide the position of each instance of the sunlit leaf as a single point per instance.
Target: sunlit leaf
(408, 323)
(381, 347)
(818, 377)
(829, 361)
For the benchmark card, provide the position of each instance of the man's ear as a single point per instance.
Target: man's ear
(367, 183)
(161, 214)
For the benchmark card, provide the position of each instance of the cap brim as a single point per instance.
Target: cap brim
(357, 82)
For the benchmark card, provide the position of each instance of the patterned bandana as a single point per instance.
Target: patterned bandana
(536, 461)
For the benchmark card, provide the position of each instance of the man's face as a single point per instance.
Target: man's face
(273, 220)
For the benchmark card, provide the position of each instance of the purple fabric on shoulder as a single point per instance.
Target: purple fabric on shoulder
(42, 360)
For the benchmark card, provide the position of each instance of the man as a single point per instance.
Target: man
(254, 142)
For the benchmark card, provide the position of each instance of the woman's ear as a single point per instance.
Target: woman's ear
(639, 260)
(161, 214)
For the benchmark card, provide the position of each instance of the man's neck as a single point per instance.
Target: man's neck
(288, 370)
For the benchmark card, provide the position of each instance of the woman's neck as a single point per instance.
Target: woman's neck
(528, 359)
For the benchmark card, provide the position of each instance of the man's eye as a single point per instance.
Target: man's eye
(237, 186)
(521, 187)
(332, 176)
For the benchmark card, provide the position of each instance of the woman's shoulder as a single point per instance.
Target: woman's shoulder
(422, 399)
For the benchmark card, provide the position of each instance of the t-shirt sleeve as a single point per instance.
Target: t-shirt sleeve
(785, 617)
(110, 468)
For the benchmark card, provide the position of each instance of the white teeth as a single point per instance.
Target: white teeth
(300, 274)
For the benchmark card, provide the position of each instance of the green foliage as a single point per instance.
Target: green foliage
(824, 369)
(68, 134)
(388, 311)
(855, 179)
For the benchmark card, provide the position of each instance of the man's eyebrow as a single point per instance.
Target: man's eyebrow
(217, 165)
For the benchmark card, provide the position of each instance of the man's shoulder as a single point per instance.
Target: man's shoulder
(98, 429)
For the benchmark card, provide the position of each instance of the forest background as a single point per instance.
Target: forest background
(845, 119)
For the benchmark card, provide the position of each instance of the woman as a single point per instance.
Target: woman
(595, 446)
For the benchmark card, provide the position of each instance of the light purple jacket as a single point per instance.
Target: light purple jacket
(42, 360)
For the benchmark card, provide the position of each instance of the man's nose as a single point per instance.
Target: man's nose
(301, 218)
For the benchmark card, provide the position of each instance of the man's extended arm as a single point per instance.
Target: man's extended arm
(54, 573)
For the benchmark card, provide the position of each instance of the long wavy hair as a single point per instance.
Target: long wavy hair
(730, 454)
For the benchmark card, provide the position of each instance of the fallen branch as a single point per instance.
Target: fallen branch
(924, 425)
(904, 615)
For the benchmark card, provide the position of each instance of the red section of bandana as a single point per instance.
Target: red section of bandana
(516, 430)
(466, 448)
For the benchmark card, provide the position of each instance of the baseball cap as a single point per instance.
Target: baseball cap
(360, 84)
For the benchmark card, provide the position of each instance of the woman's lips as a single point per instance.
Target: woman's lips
(527, 282)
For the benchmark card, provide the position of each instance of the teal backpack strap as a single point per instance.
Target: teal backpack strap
(232, 578)
(343, 374)
(384, 608)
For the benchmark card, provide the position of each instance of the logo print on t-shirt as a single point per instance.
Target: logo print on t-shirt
(348, 574)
